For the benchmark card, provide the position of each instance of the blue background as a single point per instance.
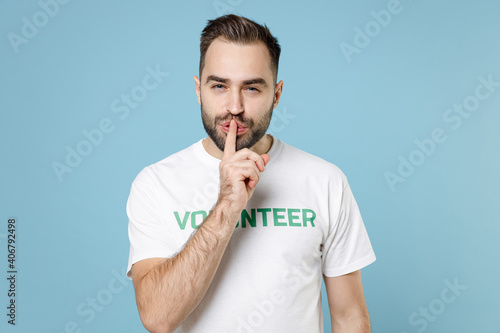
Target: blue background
(362, 112)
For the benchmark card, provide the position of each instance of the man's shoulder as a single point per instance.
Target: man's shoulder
(301, 159)
(185, 155)
(172, 164)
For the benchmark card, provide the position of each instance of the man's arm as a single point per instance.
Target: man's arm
(168, 290)
(347, 303)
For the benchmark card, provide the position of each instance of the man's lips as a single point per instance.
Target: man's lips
(241, 129)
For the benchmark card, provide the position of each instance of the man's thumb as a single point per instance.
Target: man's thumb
(266, 158)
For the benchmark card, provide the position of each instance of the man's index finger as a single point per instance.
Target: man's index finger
(230, 145)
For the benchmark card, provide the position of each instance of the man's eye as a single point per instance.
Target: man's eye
(252, 89)
(218, 86)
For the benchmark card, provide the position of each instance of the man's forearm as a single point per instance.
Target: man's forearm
(172, 290)
(352, 324)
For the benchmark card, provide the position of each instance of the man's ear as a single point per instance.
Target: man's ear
(198, 88)
(277, 93)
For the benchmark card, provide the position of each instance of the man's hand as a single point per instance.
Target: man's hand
(239, 173)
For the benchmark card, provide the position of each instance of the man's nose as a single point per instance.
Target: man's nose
(235, 103)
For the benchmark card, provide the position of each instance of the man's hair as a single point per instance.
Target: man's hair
(240, 30)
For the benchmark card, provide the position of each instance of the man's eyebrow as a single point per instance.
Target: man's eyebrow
(258, 80)
(215, 78)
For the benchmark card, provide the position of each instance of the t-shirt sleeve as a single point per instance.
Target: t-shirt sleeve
(148, 229)
(347, 247)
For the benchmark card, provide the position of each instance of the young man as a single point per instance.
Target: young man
(234, 233)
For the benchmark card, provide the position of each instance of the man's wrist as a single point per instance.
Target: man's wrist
(225, 213)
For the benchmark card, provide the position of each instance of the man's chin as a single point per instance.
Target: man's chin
(243, 140)
(239, 145)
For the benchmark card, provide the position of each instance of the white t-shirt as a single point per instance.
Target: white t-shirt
(301, 222)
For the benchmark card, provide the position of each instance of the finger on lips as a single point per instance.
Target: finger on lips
(260, 161)
(230, 145)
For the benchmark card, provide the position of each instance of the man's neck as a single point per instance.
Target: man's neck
(261, 147)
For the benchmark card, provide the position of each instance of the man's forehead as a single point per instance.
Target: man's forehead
(237, 62)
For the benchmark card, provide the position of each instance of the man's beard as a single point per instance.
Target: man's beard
(256, 129)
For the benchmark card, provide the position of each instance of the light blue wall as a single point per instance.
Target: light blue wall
(360, 102)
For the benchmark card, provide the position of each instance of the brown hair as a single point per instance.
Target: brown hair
(239, 30)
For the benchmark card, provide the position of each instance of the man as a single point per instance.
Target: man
(234, 233)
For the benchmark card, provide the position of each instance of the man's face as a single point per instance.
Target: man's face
(236, 83)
